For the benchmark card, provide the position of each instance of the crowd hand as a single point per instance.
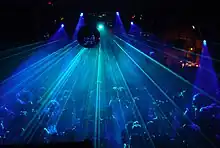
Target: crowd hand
(74, 128)
(114, 88)
(181, 94)
(136, 98)
(11, 113)
(195, 127)
(24, 113)
(45, 129)
(20, 101)
(33, 111)
(51, 129)
(2, 125)
(136, 125)
(3, 106)
(110, 102)
(4, 136)
(186, 111)
(150, 122)
(120, 88)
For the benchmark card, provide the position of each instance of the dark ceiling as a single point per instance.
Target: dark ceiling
(27, 19)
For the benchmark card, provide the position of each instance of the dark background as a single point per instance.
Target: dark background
(24, 21)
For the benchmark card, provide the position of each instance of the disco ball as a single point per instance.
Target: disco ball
(88, 36)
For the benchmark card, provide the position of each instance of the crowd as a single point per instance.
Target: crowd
(160, 124)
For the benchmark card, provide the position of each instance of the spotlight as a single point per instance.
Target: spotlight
(62, 25)
(204, 42)
(132, 23)
(117, 13)
(100, 26)
(81, 14)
